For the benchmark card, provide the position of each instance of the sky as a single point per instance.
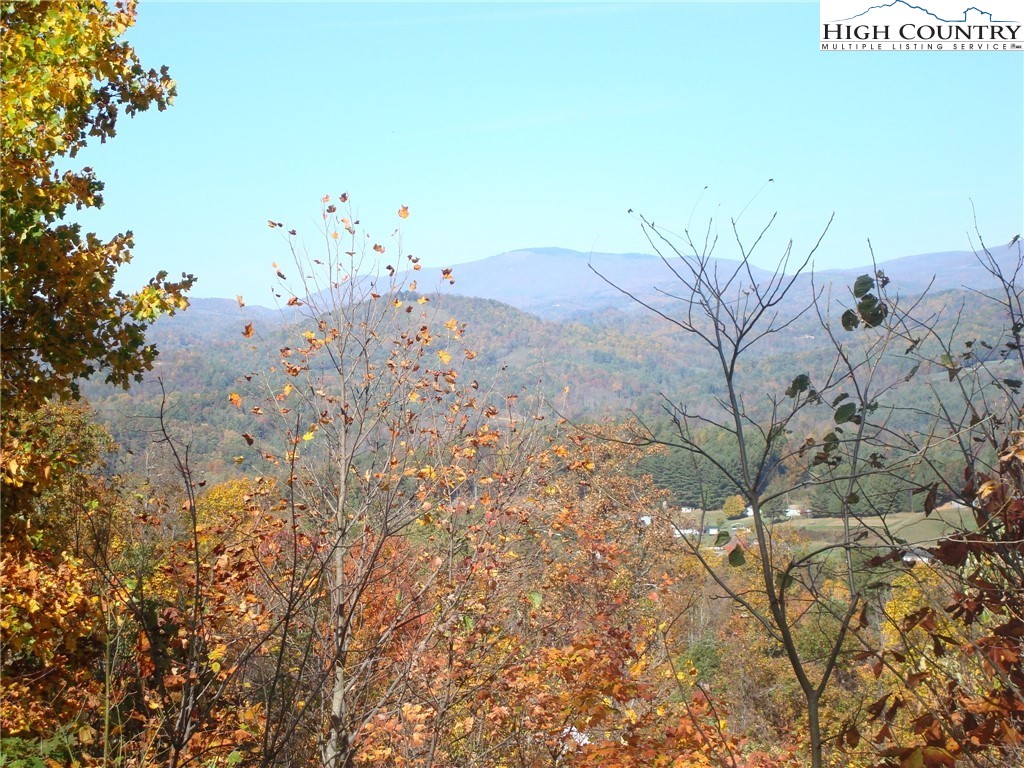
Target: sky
(508, 126)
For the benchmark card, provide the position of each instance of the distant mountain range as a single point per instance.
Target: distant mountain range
(560, 283)
(540, 323)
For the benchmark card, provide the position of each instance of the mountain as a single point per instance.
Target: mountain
(937, 271)
(544, 326)
(558, 283)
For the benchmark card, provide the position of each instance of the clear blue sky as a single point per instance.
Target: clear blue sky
(507, 126)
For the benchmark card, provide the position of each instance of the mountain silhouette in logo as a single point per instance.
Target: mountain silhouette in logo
(904, 6)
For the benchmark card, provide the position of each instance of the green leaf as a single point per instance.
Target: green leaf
(863, 284)
(872, 311)
(850, 320)
(736, 557)
(722, 538)
(536, 599)
(800, 384)
(845, 413)
(914, 760)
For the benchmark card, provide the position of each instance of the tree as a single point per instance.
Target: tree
(389, 458)
(953, 623)
(66, 80)
(734, 507)
(858, 461)
(730, 308)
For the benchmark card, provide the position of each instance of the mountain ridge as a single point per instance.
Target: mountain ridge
(559, 283)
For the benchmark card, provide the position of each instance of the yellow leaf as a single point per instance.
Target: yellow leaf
(235, 399)
(403, 212)
(308, 435)
(444, 357)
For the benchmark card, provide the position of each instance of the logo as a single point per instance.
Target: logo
(927, 25)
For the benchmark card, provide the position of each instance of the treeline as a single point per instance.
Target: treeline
(595, 367)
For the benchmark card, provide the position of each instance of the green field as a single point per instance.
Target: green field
(913, 527)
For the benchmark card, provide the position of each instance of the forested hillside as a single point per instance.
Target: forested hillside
(602, 365)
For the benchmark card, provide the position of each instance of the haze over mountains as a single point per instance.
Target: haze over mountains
(558, 283)
(541, 323)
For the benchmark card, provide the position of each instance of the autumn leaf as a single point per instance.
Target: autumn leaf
(248, 331)
(378, 248)
(403, 212)
(235, 399)
(240, 300)
(444, 356)
(247, 437)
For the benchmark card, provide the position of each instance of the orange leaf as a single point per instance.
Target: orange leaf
(378, 248)
(403, 212)
(235, 399)
(248, 330)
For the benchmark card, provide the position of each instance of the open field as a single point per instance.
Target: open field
(914, 527)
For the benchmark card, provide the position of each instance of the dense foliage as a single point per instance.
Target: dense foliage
(66, 80)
